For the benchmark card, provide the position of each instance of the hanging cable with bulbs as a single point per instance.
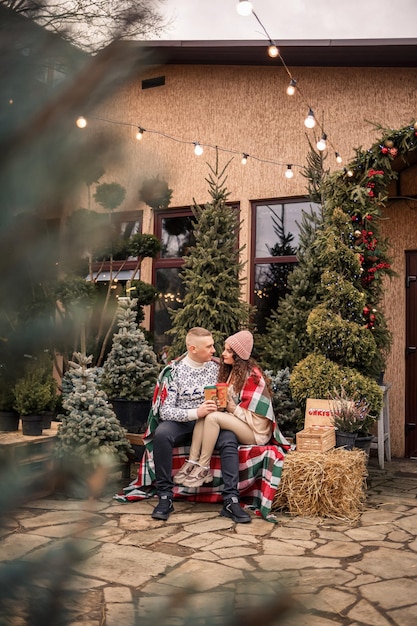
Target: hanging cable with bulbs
(245, 8)
(82, 123)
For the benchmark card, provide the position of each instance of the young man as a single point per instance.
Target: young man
(180, 404)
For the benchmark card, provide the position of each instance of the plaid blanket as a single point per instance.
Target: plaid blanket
(260, 470)
(260, 467)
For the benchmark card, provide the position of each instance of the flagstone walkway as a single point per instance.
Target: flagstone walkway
(203, 567)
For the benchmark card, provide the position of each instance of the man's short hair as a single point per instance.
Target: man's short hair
(197, 331)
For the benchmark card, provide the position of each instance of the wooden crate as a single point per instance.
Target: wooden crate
(319, 434)
(316, 439)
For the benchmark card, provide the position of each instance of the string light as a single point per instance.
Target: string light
(244, 8)
(81, 122)
(310, 120)
(288, 172)
(273, 51)
(197, 146)
(338, 157)
(321, 144)
(139, 134)
(291, 87)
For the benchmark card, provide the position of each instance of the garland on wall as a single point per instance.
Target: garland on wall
(361, 189)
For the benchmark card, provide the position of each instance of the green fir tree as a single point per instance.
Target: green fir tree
(131, 368)
(330, 329)
(283, 345)
(212, 271)
(89, 434)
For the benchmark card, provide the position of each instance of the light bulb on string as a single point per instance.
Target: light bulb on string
(310, 120)
(338, 157)
(81, 122)
(139, 134)
(273, 51)
(244, 158)
(198, 150)
(289, 172)
(321, 145)
(244, 8)
(291, 87)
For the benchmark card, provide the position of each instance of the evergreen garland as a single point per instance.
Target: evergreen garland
(212, 271)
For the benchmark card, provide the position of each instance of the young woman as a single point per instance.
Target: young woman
(248, 413)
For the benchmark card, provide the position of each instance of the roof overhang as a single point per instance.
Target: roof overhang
(320, 53)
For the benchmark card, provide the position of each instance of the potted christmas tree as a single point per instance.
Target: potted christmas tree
(34, 394)
(90, 437)
(130, 370)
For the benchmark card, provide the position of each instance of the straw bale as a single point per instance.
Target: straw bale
(323, 484)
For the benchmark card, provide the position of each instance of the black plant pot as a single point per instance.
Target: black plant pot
(47, 419)
(364, 443)
(345, 440)
(132, 414)
(9, 421)
(32, 425)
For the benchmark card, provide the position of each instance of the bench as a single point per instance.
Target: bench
(260, 469)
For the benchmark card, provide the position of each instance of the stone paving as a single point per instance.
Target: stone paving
(201, 568)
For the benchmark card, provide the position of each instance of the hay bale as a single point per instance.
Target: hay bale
(323, 484)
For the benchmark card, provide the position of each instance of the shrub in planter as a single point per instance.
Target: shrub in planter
(318, 377)
(35, 393)
(90, 439)
(130, 370)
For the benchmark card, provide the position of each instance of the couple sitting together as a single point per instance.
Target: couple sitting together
(180, 410)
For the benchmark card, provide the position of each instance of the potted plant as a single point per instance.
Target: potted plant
(9, 417)
(350, 417)
(90, 440)
(130, 370)
(34, 394)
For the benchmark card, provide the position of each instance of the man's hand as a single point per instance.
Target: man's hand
(207, 407)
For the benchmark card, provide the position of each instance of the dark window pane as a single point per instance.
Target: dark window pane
(171, 290)
(176, 236)
(270, 286)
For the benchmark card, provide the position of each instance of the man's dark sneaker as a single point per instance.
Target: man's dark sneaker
(163, 508)
(231, 508)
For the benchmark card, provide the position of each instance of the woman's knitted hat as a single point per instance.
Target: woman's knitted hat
(241, 343)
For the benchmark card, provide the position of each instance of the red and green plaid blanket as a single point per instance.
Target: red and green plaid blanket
(260, 470)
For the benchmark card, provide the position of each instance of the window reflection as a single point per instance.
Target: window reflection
(176, 236)
(171, 292)
(276, 244)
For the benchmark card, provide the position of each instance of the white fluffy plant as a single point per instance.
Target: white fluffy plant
(90, 432)
(131, 368)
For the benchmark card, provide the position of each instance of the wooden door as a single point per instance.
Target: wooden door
(411, 356)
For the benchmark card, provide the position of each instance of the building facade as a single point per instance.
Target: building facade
(231, 99)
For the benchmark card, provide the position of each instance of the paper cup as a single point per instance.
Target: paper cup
(222, 395)
(210, 393)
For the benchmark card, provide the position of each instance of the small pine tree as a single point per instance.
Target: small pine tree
(211, 272)
(89, 431)
(131, 368)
